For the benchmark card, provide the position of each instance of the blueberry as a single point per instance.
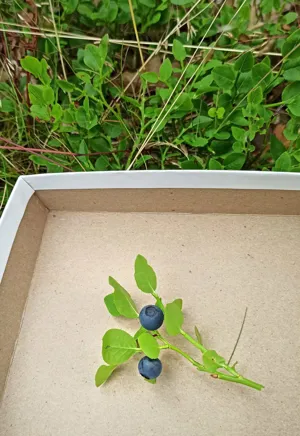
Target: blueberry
(150, 368)
(151, 317)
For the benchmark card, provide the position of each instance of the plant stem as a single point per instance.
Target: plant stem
(241, 380)
(193, 341)
(234, 375)
(279, 103)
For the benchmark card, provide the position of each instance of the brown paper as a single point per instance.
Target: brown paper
(218, 264)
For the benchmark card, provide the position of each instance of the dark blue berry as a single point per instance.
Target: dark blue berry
(151, 317)
(150, 368)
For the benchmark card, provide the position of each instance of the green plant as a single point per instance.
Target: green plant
(118, 346)
(74, 97)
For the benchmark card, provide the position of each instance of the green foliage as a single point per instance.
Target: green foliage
(173, 318)
(123, 301)
(198, 336)
(117, 346)
(149, 345)
(212, 360)
(109, 301)
(144, 275)
(178, 50)
(103, 373)
(85, 110)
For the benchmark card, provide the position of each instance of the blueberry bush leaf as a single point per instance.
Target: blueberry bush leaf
(178, 50)
(212, 360)
(32, 65)
(117, 346)
(173, 318)
(198, 336)
(123, 301)
(109, 301)
(103, 373)
(283, 163)
(144, 275)
(224, 76)
(179, 302)
(149, 345)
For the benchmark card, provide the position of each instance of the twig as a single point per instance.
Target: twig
(136, 31)
(49, 151)
(239, 336)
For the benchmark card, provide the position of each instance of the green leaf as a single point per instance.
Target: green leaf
(220, 113)
(152, 381)
(85, 77)
(212, 360)
(238, 118)
(198, 336)
(123, 301)
(109, 301)
(234, 161)
(56, 111)
(44, 76)
(201, 121)
(290, 17)
(150, 77)
(41, 112)
(36, 94)
(291, 91)
(144, 275)
(244, 63)
(238, 147)
(294, 107)
(149, 345)
(165, 71)
(283, 163)
(196, 141)
(178, 51)
(66, 86)
(140, 331)
(293, 74)
(255, 96)
(7, 105)
(113, 130)
(261, 73)
(173, 318)
(277, 148)
(48, 95)
(179, 302)
(212, 112)
(94, 57)
(85, 120)
(220, 147)
(103, 47)
(224, 76)
(117, 346)
(148, 3)
(239, 134)
(69, 5)
(102, 163)
(288, 48)
(214, 165)
(181, 2)
(32, 65)
(100, 143)
(103, 373)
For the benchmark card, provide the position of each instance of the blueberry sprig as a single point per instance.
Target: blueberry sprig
(118, 346)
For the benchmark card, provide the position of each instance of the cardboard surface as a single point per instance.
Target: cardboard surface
(219, 265)
(174, 200)
(16, 280)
